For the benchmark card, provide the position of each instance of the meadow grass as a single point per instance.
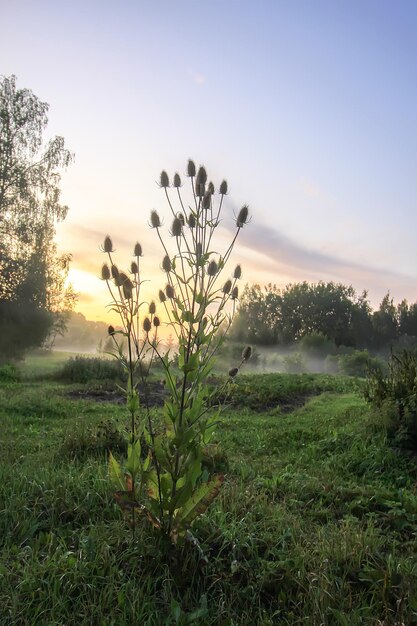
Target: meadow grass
(315, 524)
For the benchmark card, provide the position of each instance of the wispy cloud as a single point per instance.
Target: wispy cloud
(286, 257)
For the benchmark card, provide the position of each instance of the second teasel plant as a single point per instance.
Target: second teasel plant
(197, 302)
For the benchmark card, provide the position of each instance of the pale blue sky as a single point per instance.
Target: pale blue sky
(308, 109)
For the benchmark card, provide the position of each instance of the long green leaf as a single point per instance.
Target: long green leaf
(199, 501)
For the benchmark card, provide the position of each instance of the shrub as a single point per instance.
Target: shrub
(358, 363)
(317, 345)
(85, 369)
(394, 396)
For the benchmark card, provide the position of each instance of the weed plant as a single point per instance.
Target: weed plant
(394, 397)
(168, 485)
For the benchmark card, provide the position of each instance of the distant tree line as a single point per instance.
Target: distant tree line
(273, 316)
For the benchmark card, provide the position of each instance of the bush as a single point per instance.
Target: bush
(394, 396)
(317, 345)
(9, 374)
(84, 369)
(358, 363)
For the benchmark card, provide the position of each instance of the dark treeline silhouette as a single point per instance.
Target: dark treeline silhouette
(273, 316)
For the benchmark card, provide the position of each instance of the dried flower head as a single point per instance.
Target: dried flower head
(181, 218)
(198, 249)
(152, 308)
(114, 271)
(242, 218)
(238, 272)
(233, 372)
(137, 251)
(134, 267)
(105, 272)
(207, 200)
(147, 324)
(247, 352)
(227, 286)
(169, 290)
(177, 180)
(223, 188)
(162, 296)
(191, 220)
(201, 176)
(111, 330)
(211, 188)
(164, 180)
(155, 221)
(176, 228)
(235, 293)
(156, 321)
(166, 264)
(108, 244)
(127, 288)
(191, 168)
(212, 268)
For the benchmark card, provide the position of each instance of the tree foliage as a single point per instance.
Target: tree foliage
(273, 316)
(32, 273)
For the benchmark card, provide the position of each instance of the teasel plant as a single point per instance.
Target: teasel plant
(169, 485)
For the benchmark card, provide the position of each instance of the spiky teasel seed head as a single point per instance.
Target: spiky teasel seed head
(162, 296)
(155, 220)
(114, 271)
(233, 372)
(120, 279)
(134, 267)
(198, 249)
(246, 353)
(166, 264)
(176, 228)
(152, 308)
(108, 244)
(147, 324)
(177, 180)
(200, 182)
(137, 251)
(207, 200)
(238, 272)
(111, 330)
(105, 272)
(223, 188)
(128, 288)
(164, 179)
(156, 321)
(191, 168)
(191, 220)
(212, 268)
(242, 218)
(227, 286)
(202, 175)
(235, 293)
(169, 290)
(211, 188)
(181, 219)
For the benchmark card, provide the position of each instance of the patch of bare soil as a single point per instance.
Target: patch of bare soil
(155, 394)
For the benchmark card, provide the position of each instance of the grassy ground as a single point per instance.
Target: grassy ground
(40, 364)
(316, 522)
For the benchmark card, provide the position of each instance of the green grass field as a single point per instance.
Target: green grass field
(316, 522)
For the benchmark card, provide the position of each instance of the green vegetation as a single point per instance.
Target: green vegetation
(167, 483)
(315, 523)
(332, 313)
(394, 396)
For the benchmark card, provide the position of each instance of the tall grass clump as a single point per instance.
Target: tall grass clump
(167, 483)
(394, 397)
